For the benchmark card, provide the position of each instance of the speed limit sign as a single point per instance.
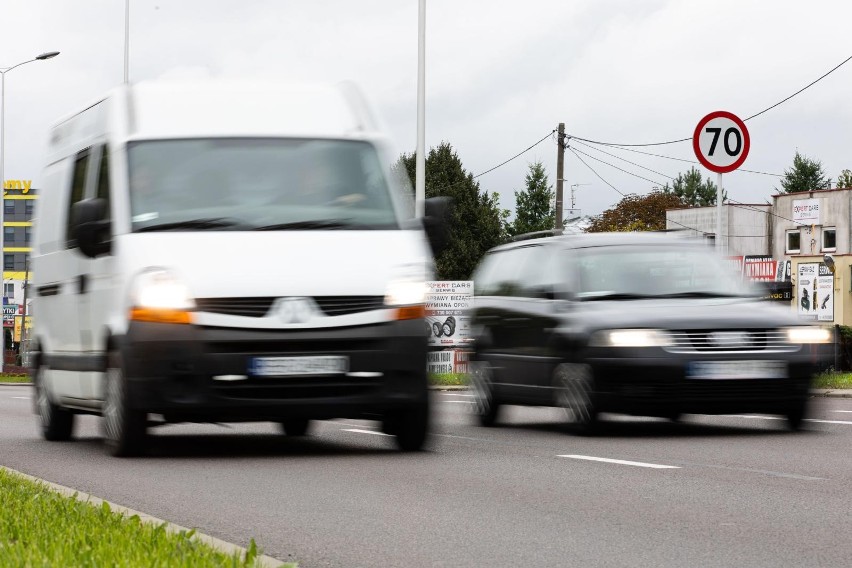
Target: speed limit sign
(721, 142)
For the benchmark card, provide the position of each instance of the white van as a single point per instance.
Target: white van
(219, 252)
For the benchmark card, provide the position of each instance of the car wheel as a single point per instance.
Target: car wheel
(796, 415)
(124, 428)
(295, 427)
(409, 426)
(485, 404)
(57, 423)
(437, 329)
(573, 386)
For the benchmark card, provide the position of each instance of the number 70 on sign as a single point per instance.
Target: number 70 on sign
(721, 142)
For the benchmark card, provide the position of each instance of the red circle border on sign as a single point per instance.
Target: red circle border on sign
(697, 149)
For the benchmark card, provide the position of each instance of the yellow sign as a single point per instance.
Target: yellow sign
(22, 185)
(17, 331)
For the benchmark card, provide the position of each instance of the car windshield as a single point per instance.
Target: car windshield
(638, 271)
(258, 184)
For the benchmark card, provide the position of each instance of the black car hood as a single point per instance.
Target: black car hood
(683, 313)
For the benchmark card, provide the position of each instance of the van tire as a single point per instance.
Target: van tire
(57, 423)
(486, 406)
(410, 426)
(295, 427)
(124, 428)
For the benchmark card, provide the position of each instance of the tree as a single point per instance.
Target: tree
(845, 179)
(695, 191)
(637, 213)
(805, 175)
(476, 221)
(535, 209)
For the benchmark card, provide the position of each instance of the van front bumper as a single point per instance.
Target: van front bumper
(197, 373)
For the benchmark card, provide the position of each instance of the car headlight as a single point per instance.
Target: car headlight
(407, 297)
(157, 295)
(630, 338)
(808, 334)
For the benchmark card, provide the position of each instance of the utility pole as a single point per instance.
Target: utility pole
(560, 164)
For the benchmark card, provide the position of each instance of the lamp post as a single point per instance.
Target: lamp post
(3, 71)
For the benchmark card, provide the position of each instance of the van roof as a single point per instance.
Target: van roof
(180, 109)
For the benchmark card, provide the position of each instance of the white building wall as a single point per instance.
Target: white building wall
(745, 228)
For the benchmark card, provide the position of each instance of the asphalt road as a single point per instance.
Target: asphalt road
(736, 491)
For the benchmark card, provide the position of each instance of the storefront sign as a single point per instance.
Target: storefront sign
(447, 304)
(17, 330)
(9, 313)
(759, 268)
(21, 185)
(806, 211)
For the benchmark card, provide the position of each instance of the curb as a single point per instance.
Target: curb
(213, 542)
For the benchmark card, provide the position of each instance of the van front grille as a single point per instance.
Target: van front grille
(258, 307)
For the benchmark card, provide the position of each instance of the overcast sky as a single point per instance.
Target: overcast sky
(500, 74)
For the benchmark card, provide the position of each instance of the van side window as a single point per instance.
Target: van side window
(78, 186)
(103, 179)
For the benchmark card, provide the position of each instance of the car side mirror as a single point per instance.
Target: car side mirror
(436, 222)
(90, 226)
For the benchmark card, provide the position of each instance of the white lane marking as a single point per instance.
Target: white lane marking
(755, 417)
(359, 431)
(472, 395)
(22, 397)
(461, 401)
(843, 410)
(622, 462)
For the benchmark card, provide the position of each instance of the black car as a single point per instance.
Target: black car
(636, 323)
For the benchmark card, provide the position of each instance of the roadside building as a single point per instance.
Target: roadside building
(745, 227)
(18, 203)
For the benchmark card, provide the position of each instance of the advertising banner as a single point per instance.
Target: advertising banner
(759, 268)
(17, 329)
(806, 211)
(815, 291)
(9, 313)
(447, 304)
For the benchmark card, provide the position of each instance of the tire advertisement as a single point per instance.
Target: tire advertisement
(447, 304)
(815, 292)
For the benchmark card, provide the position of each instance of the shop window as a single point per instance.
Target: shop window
(829, 239)
(8, 235)
(8, 207)
(794, 239)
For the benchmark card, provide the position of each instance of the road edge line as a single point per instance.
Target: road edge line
(216, 543)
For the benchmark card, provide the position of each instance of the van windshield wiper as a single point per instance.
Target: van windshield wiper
(196, 224)
(701, 294)
(308, 225)
(616, 296)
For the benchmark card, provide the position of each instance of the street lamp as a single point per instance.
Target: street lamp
(3, 71)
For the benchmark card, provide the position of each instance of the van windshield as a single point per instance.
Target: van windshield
(258, 184)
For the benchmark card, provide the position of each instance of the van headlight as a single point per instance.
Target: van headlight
(157, 295)
(807, 334)
(407, 297)
(630, 338)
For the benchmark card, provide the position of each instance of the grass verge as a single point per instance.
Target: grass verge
(448, 379)
(833, 381)
(40, 527)
(7, 378)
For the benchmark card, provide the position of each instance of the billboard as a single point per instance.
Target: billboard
(9, 313)
(447, 304)
(806, 211)
(815, 291)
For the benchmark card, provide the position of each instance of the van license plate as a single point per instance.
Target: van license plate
(288, 366)
(736, 370)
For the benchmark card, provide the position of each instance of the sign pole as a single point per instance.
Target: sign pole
(719, 213)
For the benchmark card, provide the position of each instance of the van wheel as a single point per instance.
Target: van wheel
(124, 428)
(57, 423)
(295, 427)
(410, 426)
(485, 404)
(573, 388)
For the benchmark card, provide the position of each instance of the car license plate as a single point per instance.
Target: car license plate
(736, 370)
(289, 366)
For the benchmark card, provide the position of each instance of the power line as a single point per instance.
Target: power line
(515, 156)
(616, 167)
(626, 160)
(438, 189)
(573, 151)
(811, 84)
(673, 158)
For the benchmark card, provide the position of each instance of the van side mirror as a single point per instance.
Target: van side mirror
(91, 226)
(436, 222)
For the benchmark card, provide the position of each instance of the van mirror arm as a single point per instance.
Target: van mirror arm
(91, 227)
(436, 222)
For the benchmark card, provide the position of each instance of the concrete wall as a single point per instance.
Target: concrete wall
(745, 228)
